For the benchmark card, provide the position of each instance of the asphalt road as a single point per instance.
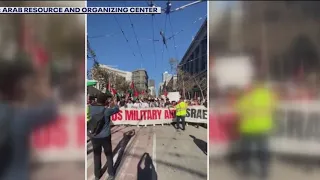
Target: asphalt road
(158, 153)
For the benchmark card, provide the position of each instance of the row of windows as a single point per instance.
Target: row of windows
(197, 61)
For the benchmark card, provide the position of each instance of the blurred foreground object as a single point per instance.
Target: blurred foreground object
(256, 110)
(283, 40)
(40, 54)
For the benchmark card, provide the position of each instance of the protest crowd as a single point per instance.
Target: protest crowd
(151, 102)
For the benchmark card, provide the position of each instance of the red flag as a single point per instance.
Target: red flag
(114, 91)
(132, 85)
(34, 49)
(165, 93)
(108, 87)
(136, 93)
(40, 56)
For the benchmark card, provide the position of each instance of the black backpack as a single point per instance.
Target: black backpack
(96, 123)
(6, 143)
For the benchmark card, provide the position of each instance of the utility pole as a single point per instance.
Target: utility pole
(183, 89)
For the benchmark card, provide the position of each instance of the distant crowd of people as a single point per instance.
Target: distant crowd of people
(152, 102)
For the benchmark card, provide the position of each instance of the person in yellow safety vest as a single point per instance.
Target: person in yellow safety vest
(88, 112)
(181, 112)
(255, 109)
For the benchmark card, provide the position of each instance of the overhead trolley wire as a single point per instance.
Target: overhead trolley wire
(124, 35)
(153, 40)
(153, 33)
(103, 36)
(164, 31)
(135, 34)
(173, 37)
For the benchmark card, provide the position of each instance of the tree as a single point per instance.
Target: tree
(185, 82)
(103, 76)
(121, 84)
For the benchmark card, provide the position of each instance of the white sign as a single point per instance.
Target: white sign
(233, 71)
(298, 129)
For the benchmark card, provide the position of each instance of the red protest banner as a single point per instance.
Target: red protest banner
(62, 140)
(148, 116)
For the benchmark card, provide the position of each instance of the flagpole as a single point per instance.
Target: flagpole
(109, 86)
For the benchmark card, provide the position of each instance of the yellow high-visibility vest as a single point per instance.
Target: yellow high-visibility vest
(256, 110)
(181, 109)
(88, 113)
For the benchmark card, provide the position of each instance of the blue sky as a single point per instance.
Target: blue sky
(112, 49)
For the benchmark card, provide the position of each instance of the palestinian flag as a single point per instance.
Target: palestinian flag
(131, 89)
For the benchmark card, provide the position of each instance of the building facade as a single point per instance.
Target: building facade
(126, 75)
(152, 87)
(140, 79)
(166, 76)
(194, 64)
(151, 82)
(152, 91)
(160, 90)
(172, 84)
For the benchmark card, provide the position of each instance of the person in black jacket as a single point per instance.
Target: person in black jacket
(103, 138)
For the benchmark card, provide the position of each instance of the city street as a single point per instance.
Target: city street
(156, 153)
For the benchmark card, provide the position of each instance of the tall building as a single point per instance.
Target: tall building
(151, 82)
(152, 87)
(140, 79)
(194, 62)
(171, 85)
(166, 76)
(152, 90)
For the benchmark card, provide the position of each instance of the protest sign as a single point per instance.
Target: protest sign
(62, 140)
(152, 116)
(297, 130)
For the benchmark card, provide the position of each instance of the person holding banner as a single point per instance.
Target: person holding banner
(255, 109)
(181, 112)
(103, 137)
